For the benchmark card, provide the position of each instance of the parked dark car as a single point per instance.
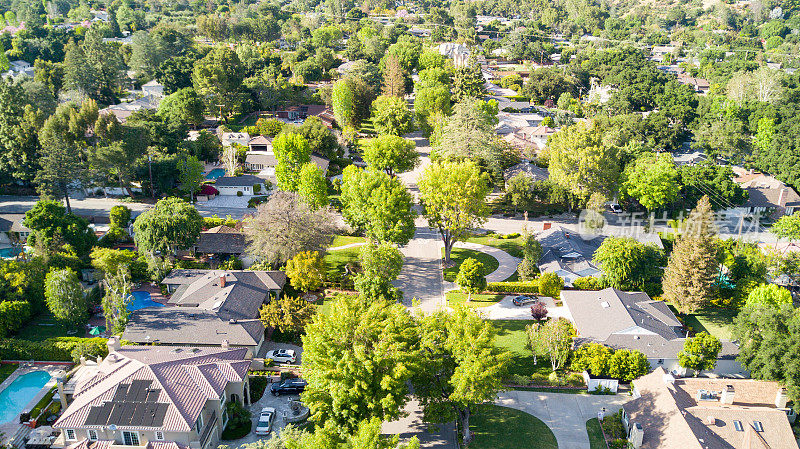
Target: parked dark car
(288, 386)
(523, 299)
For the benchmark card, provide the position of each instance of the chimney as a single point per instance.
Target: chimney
(636, 435)
(61, 379)
(222, 280)
(727, 395)
(113, 345)
(546, 226)
(781, 398)
(225, 344)
(782, 197)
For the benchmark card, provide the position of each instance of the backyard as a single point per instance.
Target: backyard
(459, 255)
(497, 427)
(44, 326)
(717, 321)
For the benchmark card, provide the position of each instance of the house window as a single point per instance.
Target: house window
(757, 425)
(71, 435)
(198, 426)
(92, 435)
(738, 426)
(130, 438)
(159, 436)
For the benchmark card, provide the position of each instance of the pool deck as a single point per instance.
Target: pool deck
(9, 429)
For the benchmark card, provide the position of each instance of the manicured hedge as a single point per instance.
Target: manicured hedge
(53, 349)
(513, 287)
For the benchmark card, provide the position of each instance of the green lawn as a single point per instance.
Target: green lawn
(458, 255)
(6, 369)
(336, 260)
(596, 440)
(716, 321)
(341, 240)
(495, 427)
(511, 336)
(455, 297)
(511, 246)
(45, 326)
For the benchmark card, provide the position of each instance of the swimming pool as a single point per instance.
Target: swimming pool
(9, 252)
(22, 390)
(215, 173)
(141, 299)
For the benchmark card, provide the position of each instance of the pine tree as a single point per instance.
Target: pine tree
(468, 81)
(393, 81)
(689, 277)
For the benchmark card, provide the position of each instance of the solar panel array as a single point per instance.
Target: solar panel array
(133, 404)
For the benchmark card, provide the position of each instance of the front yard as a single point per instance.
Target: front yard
(459, 255)
(497, 427)
(456, 297)
(511, 336)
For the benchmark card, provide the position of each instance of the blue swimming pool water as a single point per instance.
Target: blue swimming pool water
(216, 173)
(141, 299)
(9, 252)
(22, 390)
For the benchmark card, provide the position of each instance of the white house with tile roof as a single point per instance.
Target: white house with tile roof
(158, 397)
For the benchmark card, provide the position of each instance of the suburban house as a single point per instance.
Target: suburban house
(207, 308)
(568, 254)
(459, 53)
(12, 231)
(246, 184)
(264, 161)
(528, 169)
(534, 137)
(700, 85)
(703, 413)
(220, 240)
(631, 320)
(301, 112)
(766, 194)
(260, 143)
(158, 397)
(228, 139)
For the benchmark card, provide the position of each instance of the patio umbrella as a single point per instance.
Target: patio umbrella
(97, 330)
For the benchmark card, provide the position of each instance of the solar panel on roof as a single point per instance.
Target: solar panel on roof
(121, 393)
(134, 404)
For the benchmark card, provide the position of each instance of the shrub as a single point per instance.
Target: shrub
(539, 379)
(119, 216)
(575, 379)
(527, 270)
(518, 379)
(90, 347)
(13, 315)
(555, 379)
(256, 188)
(239, 422)
(538, 311)
(233, 263)
(513, 287)
(587, 283)
(239, 193)
(550, 285)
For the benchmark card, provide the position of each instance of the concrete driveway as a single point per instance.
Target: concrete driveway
(506, 310)
(566, 414)
(411, 425)
(281, 406)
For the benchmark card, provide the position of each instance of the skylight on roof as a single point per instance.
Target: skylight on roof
(738, 426)
(757, 425)
(605, 304)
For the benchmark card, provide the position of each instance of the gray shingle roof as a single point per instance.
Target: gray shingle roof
(568, 254)
(239, 181)
(221, 240)
(190, 326)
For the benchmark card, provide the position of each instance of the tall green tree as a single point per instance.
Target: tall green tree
(357, 360)
(769, 295)
(19, 143)
(652, 180)
(554, 337)
(218, 78)
(171, 225)
(380, 265)
(787, 227)
(52, 227)
(700, 352)
(460, 366)
(390, 115)
(191, 175)
(392, 154)
(689, 277)
(628, 264)
(378, 204)
(468, 81)
(64, 296)
(581, 162)
(183, 105)
(306, 270)
(292, 152)
(454, 195)
(471, 277)
(312, 186)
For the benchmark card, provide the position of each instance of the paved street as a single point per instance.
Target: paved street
(442, 438)
(421, 275)
(566, 414)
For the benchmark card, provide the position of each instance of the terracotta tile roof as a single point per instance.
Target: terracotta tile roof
(186, 377)
(672, 416)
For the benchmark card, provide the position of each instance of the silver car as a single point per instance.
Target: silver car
(265, 419)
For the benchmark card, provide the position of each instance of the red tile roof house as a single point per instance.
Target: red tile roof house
(702, 413)
(158, 397)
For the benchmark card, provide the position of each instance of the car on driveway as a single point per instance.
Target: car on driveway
(616, 208)
(288, 386)
(523, 300)
(282, 355)
(265, 420)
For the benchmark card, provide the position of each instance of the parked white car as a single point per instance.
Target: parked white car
(282, 355)
(265, 419)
